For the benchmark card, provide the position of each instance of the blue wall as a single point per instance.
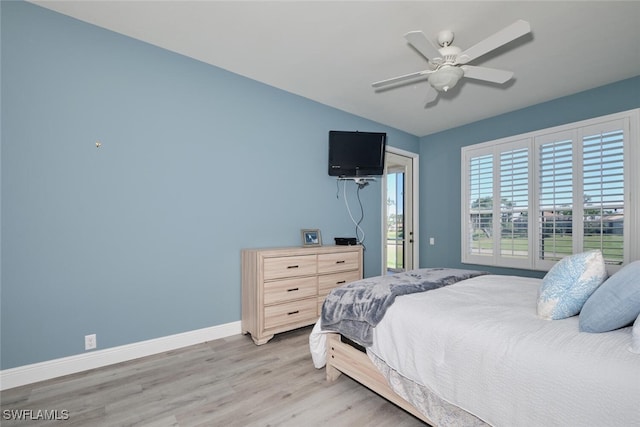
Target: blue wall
(141, 237)
(440, 162)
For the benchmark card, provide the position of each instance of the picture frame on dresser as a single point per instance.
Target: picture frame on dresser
(311, 237)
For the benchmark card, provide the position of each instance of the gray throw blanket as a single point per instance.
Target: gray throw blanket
(357, 307)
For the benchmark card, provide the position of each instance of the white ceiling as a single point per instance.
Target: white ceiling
(331, 51)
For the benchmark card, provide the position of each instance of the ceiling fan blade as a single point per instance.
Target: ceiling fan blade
(431, 95)
(399, 79)
(488, 74)
(504, 36)
(422, 44)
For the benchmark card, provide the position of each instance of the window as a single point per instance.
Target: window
(555, 195)
(603, 188)
(532, 199)
(481, 209)
(514, 203)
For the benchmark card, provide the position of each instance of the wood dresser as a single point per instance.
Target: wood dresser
(284, 288)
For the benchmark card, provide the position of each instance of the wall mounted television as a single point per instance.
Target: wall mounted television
(356, 154)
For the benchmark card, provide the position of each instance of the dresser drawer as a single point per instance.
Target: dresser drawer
(290, 289)
(289, 266)
(341, 261)
(290, 312)
(326, 282)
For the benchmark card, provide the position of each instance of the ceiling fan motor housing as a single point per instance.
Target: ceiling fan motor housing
(449, 54)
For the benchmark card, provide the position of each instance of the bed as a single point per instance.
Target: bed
(476, 352)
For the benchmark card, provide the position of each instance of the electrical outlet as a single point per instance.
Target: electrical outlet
(432, 241)
(90, 342)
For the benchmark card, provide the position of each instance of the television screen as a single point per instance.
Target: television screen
(354, 154)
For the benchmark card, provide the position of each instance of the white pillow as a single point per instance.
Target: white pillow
(635, 337)
(569, 283)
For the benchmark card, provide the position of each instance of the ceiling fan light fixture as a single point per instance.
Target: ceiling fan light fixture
(445, 78)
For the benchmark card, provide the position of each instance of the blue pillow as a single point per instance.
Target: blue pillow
(615, 304)
(569, 283)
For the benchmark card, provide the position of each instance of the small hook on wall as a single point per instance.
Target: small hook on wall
(98, 144)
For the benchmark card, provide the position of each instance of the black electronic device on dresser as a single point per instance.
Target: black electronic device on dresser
(346, 241)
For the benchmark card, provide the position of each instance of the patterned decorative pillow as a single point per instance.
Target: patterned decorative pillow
(569, 283)
(615, 304)
(635, 337)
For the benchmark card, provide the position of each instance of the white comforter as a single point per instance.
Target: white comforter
(479, 345)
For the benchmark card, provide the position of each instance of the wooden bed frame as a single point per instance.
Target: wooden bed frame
(343, 358)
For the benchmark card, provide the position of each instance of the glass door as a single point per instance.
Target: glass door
(398, 213)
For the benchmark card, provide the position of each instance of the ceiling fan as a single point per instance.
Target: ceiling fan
(448, 63)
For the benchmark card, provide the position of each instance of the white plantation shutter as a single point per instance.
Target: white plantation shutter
(514, 203)
(533, 199)
(497, 207)
(604, 190)
(480, 203)
(555, 195)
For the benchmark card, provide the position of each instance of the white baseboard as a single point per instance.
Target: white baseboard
(28, 374)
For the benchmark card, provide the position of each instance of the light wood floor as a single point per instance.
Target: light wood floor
(227, 382)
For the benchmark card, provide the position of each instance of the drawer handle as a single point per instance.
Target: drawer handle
(292, 266)
(340, 262)
(293, 289)
(341, 282)
(293, 312)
